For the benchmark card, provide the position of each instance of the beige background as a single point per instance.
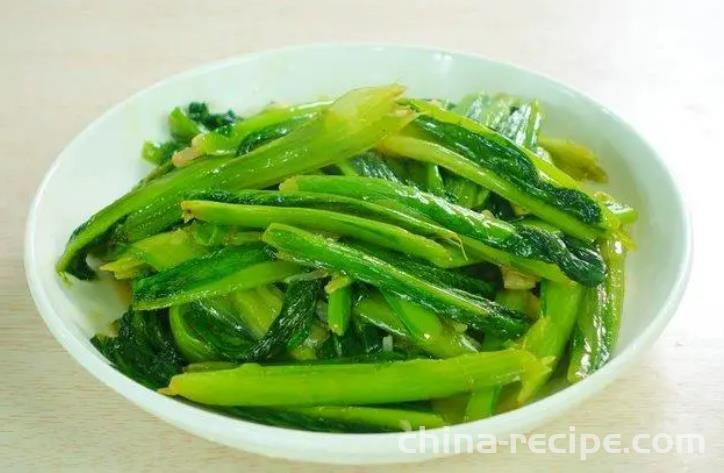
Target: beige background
(658, 63)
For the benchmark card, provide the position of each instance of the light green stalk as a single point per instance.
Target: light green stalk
(549, 336)
(427, 331)
(160, 252)
(353, 384)
(599, 318)
(372, 231)
(339, 303)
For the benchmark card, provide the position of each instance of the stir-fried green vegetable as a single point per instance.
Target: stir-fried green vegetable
(521, 242)
(309, 249)
(490, 159)
(224, 271)
(349, 384)
(370, 264)
(334, 203)
(372, 231)
(414, 324)
(576, 160)
(207, 332)
(357, 419)
(426, 329)
(354, 123)
(548, 337)
(599, 317)
(143, 348)
(369, 164)
(339, 307)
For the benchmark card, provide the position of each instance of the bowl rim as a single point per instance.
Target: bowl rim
(232, 431)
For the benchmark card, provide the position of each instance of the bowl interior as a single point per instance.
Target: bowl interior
(103, 162)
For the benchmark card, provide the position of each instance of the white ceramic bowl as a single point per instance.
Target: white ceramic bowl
(103, 162)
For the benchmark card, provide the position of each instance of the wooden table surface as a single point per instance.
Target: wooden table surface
(658, 63)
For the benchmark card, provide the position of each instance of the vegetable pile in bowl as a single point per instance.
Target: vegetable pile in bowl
(375, 263)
